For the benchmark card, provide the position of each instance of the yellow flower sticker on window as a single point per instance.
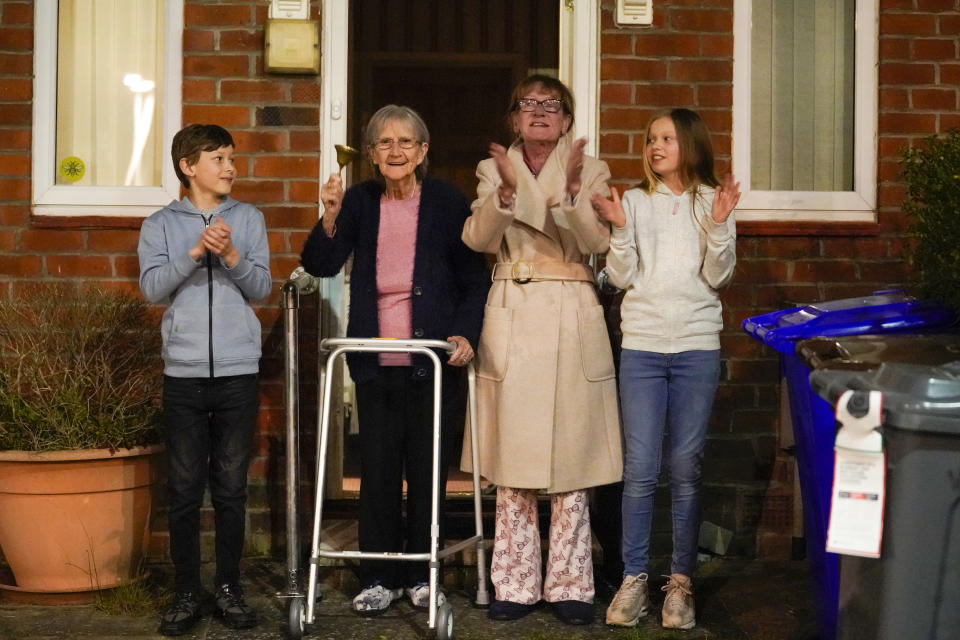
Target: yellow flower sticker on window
(72, 168)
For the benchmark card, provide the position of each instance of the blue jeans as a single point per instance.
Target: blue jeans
(665, 399)
(209, 424)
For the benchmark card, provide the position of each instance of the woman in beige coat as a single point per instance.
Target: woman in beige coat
(546, 389)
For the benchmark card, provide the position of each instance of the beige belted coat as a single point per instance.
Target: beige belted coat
(546, 388)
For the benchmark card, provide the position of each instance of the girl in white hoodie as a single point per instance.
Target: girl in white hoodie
(672, 247)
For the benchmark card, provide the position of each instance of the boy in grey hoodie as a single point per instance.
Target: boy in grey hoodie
(206, 256)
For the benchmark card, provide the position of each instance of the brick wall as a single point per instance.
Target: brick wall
(685, 59)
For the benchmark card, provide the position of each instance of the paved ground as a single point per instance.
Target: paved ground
(736, 600)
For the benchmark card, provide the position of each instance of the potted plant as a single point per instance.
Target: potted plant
(80, 381)
(932, 173)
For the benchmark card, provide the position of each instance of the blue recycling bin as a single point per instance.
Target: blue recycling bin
(813, 418)
(912, 590)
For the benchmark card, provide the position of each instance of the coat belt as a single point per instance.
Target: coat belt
(523, 271)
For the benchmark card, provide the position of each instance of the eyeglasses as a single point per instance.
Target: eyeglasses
(550, 105)
(385, 144)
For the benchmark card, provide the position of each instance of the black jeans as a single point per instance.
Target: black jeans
(210, 424)
(395, 414)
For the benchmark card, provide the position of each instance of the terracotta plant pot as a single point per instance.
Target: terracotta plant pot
(76, 520)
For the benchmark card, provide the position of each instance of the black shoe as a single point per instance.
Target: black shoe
(505, 610)
(234, 610)
(573, 611)
(181, 615)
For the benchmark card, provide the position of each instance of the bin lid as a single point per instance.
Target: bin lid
(882, 312)
(863, 353)
(916, 397)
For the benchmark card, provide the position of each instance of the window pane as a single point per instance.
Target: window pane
(109, 72)
(802, 87)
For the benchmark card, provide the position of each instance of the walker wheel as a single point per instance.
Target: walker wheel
(445, 622)
(295, 619)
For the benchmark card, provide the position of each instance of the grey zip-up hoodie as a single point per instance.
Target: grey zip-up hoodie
(206, 299)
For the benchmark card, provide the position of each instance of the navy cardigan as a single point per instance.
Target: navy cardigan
(450, 281)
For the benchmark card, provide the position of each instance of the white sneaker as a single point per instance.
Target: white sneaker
(419, 595)
(375, 599)
(678, 606)
(631, 602)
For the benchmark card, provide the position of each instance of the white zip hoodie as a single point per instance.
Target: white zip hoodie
(671, 257)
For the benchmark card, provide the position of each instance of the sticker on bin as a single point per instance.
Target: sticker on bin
(857, 499)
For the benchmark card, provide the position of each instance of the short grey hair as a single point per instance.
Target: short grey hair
(379, 120)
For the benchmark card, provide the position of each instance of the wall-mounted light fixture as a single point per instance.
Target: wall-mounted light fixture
(291, 39)
(634, 12)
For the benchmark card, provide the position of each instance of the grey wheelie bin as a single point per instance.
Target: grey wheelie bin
(913, 589)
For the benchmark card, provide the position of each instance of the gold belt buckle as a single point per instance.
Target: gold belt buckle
(524, 274)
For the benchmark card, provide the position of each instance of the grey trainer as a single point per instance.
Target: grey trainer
(631, 602)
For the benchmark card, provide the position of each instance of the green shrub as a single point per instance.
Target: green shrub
(932, 173)
(79, 369)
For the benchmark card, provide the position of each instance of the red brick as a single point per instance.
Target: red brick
(304, 191)
(934, 99)
(305, 141)
(936, 50)
(717, 120)
(906, 73)
(286, 167)
(787, 248)
(617, 44)
(950, 74)
(949, 121)
(15, 165)
(51, 240)
(632, 69)
(7, 240)
(199, 90)
(16, 114)
(16, 38)
(241, 40)
(15, 189)
(612, 118)
(700, 70)
(891, 195)
(894, 48)
(258, 191)
(113, 240)
(305, 92)
(290, 217)
(937, 5)
(277, 242)
(616, 93)
(862, 248)
(17, 13)
(16, 63)
(701, 20)
(296, 240)
(626, 168)
(716, 46)
(248, 91)
(754, 271)
(895, 4)
(14, 215)
(127, 267)
(888, 274)
(15, 89)
(662, 45)
(225, 116)
(67, 266)
(259, 141)
(218, 66)
(22, 266)
(614, 143)
(198, 40)
(283, 265)
(890, 146)
(894, 98)
(888, 171)
(907, 123)
(912, 24)
(217, 15)
(663, 94)
(949, 25)
(714, 95)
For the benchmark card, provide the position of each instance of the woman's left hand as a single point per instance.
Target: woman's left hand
(575, 166)
(725, 199)
(463, 354)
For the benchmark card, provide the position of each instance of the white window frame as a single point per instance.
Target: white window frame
(858, 205)
(50, 198)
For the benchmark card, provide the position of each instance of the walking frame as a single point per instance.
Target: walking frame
(302, 606)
